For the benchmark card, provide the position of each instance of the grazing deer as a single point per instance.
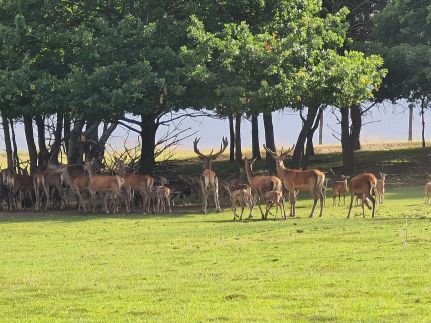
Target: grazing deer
(363, 186)
(109, 186)
(261, 184)
(427, 192)
(339, 188)
(380, 188)
(18, 184)
(294, 180)
(139, 183)
(274, 198)
(208, 179)
(244, 198)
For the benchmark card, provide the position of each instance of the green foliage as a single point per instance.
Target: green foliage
(283, 63)
(403, 38)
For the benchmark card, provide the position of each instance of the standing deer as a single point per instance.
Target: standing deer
(363, 186)
(339, 188)
(380, 188)
(261, 184)
(427, 192)
(162, 196)
(208, 179)
(139, 183)
(275, 198)
(18, 184)
(244, 198)
(109, 186)
(294, 180)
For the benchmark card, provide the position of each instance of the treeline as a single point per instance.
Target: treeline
(73, 71)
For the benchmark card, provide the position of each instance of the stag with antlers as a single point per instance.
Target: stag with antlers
(208, 179)
(294, 180)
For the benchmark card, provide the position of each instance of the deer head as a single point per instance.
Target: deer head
(279, 157)
(207, 159)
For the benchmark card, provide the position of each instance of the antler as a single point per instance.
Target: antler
(223, 146)
(274, 154)
(283, 155)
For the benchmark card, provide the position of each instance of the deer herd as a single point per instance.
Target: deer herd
(46, 188)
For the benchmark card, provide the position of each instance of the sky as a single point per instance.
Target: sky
(387, 123)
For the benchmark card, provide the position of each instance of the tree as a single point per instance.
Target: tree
(403, 33)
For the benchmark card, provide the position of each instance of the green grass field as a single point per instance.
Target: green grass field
(191, 267)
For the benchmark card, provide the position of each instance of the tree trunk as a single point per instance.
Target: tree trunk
(255, 137)
(98, 151)
(299, 147)
(43, 151)
(56, 145)
(356, 116)
(74, 150)
(148, 135)
(29, 136)
(238, 150)
(346, 143)
(309, 149)
(66, 132)
(269, 141)
(15, 147)
(232, 139)
(8, 143)
(410, 122)
(423, 122)
(321, 130)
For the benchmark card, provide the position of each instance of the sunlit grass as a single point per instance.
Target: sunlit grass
(190, 267)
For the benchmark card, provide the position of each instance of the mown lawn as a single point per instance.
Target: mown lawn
(190, 267)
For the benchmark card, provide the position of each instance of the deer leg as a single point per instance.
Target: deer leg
(351, 204)
(48, 200)
(242, 209)
(334, 198)
(363, 210)
(315, 198)
(373, 201)
(282, 207)
(322, 200)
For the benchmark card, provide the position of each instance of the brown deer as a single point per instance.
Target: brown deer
(18, 184)
(261, 184)
(339, 188)
(244, 198)
(363, 186)
(427, 192)
(109, 186)
(380, 188)
(49, 181)
(75, 177)
(162, 196)
(274, 198)
(136, 183)
(294, 180)
(208, 179)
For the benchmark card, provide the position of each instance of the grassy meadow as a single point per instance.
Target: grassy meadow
(190, 267)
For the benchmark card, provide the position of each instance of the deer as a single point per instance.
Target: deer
(208, 179)
(427, 189)
(75, 177)
(48, 180)
(244, 198)
(274, 198)
(18, 183)
(261, 184)
(139, 183)
(363, 186)
(311, 180)
(380, 188)
(162, 196)
(110, 186)
(339, 188)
